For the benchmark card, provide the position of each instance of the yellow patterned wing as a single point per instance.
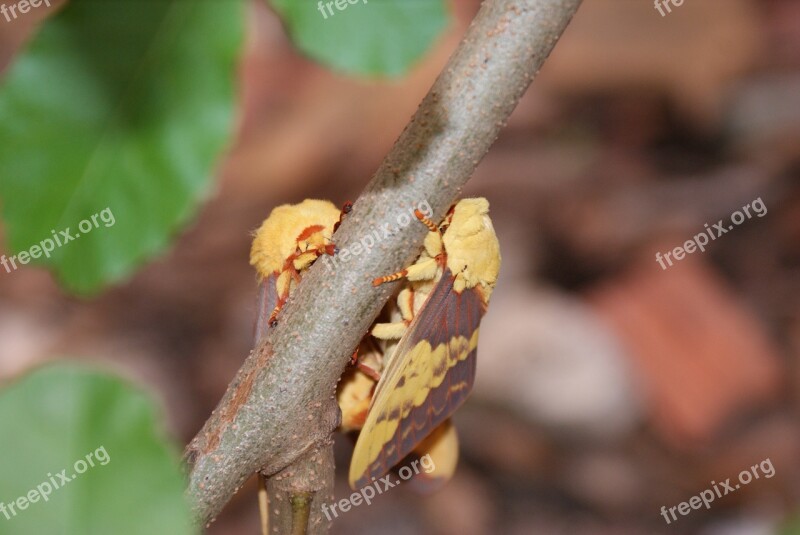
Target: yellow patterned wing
(428, 378)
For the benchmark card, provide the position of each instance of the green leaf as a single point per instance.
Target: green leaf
(53, 420)
(367, 37)
(121, 105)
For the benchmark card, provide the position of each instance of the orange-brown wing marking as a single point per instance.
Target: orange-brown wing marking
(310, 231)
(445, 316)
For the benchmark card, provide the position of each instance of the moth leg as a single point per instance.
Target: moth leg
(390, 278)
(295, 263)
(306, 248)
(302, 259)
(328, 249)
(395, 330)
(433, 227)
(284, 287)
(433, 241)
(346, 209)
(389, 331)
(273, 318)
(369, 372)
(405, 302)
(424, 269)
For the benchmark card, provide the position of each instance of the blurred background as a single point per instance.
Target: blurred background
(607, 387)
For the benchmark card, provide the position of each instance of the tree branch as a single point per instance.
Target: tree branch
(281, 407)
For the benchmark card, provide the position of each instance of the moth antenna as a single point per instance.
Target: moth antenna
(433, 227)
(390, 278)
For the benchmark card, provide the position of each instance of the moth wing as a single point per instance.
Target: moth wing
(429, 377)
(267, 299)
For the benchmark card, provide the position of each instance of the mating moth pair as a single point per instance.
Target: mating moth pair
(414, 371)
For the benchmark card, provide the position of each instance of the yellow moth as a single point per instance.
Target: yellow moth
(429, 364)
(287, 243)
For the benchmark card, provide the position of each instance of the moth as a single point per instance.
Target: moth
(287, 243)
(430, 361)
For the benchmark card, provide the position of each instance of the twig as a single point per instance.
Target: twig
(301, 511)
(263, 504)
(282, 405)
(297, 494)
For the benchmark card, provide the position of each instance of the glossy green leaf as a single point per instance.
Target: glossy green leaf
(367, 37)
(122, 105)
(105, 437)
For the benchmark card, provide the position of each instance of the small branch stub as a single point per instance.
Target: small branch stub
(297, 494)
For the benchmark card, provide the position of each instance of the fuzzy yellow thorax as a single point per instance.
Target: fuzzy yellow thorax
(473, 252)
(277, 237)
